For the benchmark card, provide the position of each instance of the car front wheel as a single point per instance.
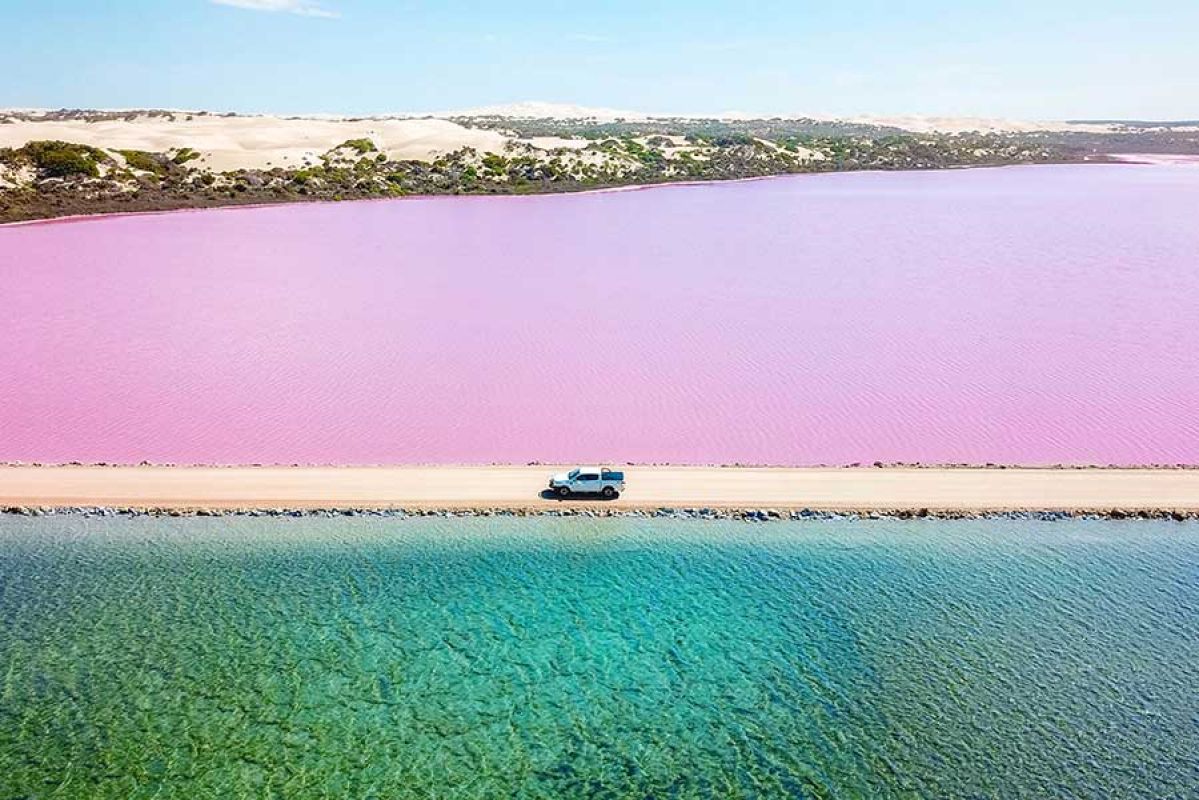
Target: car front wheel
(563, 491)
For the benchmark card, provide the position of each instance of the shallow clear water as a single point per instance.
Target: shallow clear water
(555, 657)
(1022, 315)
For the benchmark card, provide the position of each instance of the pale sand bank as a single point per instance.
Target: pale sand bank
(228, 143)
(1158, 159)
(966, 490)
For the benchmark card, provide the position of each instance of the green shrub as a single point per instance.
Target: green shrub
(184, 155)
(63, 159)
(147, 162)
(495, 164)
(732, 139)
(362, 146)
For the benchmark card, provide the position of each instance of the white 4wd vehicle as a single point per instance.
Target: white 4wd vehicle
(588, 480)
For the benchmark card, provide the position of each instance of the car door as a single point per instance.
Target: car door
(587, 482)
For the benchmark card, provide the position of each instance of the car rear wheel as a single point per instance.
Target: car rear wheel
(563, 491)
(609, 492)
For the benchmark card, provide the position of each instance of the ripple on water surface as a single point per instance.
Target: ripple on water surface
(1025, 315)
(359, 658)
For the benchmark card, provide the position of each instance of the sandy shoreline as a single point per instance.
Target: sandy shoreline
(956, 490)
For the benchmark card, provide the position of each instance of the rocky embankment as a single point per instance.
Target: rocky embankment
(597, 511)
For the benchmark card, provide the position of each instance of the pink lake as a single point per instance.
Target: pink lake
(1019, 315)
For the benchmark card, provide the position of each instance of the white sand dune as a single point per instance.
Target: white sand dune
(227, 143)
(912, 122)
(921, 124)
(537, 109)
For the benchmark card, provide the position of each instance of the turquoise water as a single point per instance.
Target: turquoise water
(240, 657)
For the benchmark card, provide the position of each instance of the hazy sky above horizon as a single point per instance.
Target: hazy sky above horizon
(1052, 59)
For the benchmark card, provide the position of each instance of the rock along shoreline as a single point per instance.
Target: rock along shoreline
(662, 512)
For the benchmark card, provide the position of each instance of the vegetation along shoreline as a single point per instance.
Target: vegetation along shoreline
(47, 178)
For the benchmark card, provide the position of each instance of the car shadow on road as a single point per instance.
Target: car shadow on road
(547, 494)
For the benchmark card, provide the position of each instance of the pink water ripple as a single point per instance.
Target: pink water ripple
(1019, 315)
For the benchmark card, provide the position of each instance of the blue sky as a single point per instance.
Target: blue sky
(1019, 58)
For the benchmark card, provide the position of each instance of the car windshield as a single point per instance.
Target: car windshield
(574, 473)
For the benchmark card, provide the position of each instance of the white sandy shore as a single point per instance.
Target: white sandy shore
(960, 489)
